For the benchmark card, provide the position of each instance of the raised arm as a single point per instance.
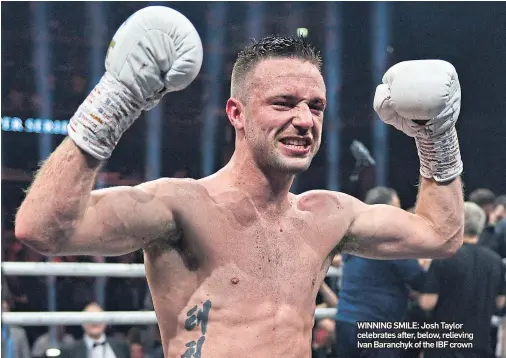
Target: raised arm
(156, 51)
(422, 99)
(387, 232)
(61, 215)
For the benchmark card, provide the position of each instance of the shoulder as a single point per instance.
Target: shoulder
(318, 199)
(330, 211)
(162, 185)
(174, 187)
(331, 204)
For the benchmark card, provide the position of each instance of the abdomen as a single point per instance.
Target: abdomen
(241, 331)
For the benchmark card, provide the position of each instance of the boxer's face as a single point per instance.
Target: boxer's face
(284, 114)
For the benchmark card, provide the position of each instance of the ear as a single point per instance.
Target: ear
(235, 113)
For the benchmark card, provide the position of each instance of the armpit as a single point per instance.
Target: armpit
(177, 245)
(348, 244)
(168, 238)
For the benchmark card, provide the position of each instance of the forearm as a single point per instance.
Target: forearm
(57, 198)
(442, 205)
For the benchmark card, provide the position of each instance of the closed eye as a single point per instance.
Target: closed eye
(283, 105)
(317, 109)
(317, 106)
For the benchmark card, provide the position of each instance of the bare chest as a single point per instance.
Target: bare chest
(272, 249)
(268, 250)
(234, 247)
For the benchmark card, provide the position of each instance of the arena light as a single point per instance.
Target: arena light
(53, 352)
(302, 32)
(34, 125)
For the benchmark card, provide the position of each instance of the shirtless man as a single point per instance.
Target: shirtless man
(234, 260)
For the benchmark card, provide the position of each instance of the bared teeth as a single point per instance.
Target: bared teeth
(296, 142)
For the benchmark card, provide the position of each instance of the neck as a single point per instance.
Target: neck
(470, 239)
(265, 188)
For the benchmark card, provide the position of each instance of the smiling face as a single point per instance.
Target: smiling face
(280, 117)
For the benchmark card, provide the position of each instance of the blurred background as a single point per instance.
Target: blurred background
(53, 55)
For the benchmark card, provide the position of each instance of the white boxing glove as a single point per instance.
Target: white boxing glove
(155, 51)
(422, 99)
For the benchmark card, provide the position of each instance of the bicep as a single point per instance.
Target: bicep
(387, 232)
(120, 220)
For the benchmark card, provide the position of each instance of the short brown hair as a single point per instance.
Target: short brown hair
(271, 47)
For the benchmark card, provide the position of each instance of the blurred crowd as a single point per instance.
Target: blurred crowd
(19, 68)
(468, 288)
(30, 294)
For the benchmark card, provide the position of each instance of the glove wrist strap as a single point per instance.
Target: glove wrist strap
(100, 121)
(440, 156)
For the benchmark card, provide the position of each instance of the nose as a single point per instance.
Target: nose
(303, 118)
